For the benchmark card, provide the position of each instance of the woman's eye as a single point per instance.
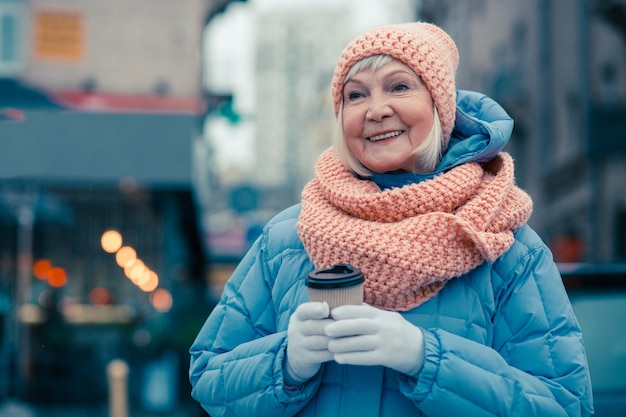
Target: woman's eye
(400, 87)
(354, 95)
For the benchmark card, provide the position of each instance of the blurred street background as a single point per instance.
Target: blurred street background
(144, 143)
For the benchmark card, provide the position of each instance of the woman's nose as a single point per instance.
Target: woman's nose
(378, 109)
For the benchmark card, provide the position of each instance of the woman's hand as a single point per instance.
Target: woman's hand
(307, 344)
(365, 335)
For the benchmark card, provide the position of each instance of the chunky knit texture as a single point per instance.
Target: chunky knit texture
(424, 47)
(410, 241)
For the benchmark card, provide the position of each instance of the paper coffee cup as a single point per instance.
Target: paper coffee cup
(338, 285)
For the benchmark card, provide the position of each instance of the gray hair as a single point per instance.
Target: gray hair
(429, 152)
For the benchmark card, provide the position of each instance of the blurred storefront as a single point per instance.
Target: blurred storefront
(100, 104)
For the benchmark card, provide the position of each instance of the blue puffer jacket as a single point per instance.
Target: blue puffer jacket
(499, 341)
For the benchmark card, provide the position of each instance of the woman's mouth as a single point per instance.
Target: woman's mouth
(385, 136)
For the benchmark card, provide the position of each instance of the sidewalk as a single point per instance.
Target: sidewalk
(17, 409)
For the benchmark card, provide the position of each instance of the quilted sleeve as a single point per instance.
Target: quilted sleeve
(536, 365)
(237, 357)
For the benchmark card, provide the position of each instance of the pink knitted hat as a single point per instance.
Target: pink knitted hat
(424, 47)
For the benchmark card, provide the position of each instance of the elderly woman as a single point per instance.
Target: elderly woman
(464, 310)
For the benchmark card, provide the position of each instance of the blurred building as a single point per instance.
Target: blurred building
(100, 105)
(295, 49)
(559, 68)
(296, 52)
(295, 55)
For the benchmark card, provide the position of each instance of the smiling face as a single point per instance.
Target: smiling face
(387, 113)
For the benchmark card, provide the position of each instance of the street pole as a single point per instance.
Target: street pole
(26, 221)
(16, 348)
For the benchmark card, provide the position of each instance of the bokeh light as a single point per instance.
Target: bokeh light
(125, 256)
(111, 241)
(99, 296)
(42, 268)
(57, 277)
(135, 270)
(151, 284)
(143, 280)
(45, 298)
(142, 337)
(161, 300)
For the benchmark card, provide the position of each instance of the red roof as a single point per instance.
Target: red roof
(104, 102)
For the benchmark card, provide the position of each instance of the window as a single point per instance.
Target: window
(58, 35)
(11, 38)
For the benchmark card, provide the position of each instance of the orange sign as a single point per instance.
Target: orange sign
(58, 35)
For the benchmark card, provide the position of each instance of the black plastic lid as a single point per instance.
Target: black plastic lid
(337, 276)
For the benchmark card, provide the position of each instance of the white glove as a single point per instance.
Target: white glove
(365, 335)
(307, 345)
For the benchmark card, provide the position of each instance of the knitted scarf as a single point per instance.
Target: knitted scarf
(410, 241)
